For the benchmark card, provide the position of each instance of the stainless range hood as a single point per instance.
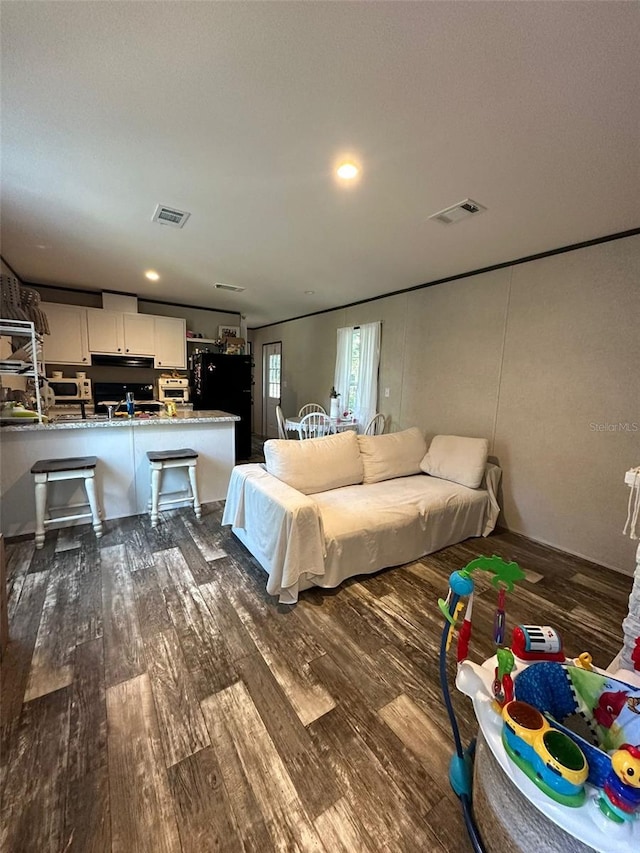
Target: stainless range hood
(98, 360)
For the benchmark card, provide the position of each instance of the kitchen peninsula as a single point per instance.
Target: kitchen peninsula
(122, 473)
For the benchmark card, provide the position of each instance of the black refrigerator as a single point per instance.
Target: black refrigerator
(224, 382)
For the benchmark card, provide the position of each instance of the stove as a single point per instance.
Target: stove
(113, 393)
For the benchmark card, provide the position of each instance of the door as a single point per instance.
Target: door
(271, 382)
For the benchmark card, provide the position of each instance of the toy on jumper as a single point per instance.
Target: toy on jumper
(461, 585)
(620, 796)
(537, 642)
(548, 757)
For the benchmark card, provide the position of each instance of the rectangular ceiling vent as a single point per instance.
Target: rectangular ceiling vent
(232, 287)
(170, 216)
(459, 211)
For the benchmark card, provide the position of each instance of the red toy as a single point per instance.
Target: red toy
(537, 642)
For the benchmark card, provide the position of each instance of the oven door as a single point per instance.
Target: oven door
(65, 391)
(178, 395)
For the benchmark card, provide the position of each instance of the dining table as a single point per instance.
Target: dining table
(292, 424)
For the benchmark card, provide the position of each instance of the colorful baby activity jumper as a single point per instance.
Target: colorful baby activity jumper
(565, 733)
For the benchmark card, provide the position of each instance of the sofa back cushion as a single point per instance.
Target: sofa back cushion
(461, 460)
(315, 464)
(397, 454)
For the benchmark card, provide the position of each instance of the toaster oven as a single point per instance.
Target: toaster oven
(173, 388)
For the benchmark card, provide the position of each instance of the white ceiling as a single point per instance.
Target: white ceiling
(237, 112)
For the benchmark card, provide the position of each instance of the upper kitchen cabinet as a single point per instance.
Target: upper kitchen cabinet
(170, 342)
(118, 334)
(68, 341)
(139, 333)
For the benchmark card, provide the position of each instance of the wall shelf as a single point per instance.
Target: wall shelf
(26, 361)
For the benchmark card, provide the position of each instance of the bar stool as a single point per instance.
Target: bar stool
(47, 471)
(159, 461)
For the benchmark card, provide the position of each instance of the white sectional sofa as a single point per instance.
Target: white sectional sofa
(322, 510)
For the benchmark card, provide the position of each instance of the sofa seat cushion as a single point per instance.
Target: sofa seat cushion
(397, 454)
(315, 464)
(389, 505)
(456, 458)
(372, 526)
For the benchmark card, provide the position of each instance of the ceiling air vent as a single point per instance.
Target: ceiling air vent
(170, 216)
(459, 211)
(232, 287)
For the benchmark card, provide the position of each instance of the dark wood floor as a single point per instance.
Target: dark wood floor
(156, 699)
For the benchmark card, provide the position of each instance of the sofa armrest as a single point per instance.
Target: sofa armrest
(281, 526)
(490, 482)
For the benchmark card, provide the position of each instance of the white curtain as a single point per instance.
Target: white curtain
(343, 366)
(367, 390)
(366, 400)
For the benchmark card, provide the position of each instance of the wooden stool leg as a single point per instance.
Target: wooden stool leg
(156, 471)
(41, 507)
(194, 489)
(90, 485)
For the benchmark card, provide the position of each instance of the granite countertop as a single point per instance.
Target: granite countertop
(213, 416)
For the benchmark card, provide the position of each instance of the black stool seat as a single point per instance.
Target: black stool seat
(75, 463)
(167, 455)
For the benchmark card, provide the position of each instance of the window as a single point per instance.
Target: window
(354, 369)
(356, 376)
(273, 378)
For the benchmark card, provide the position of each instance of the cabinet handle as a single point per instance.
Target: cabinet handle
(85, 358)
(126, 350)
(119, 350)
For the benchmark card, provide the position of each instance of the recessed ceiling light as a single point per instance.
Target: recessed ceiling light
(348, 171)
(309, 292)
(152, 275)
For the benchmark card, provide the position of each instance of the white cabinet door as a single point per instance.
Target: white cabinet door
(67, 343)
(170, 342)
(139, 334)
(105, 331)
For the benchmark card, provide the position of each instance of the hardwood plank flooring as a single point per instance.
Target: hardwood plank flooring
(123, 649)
(52, 662)
(205, 819)
(34, 799)
(142, 811)
(155, 698)
(88, 814)
(182, 728)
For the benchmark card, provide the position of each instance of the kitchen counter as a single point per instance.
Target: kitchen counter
(122, 473)
(92, 422)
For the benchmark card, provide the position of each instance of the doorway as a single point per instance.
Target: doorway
(271, 386)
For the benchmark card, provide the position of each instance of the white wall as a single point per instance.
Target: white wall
(534, 357)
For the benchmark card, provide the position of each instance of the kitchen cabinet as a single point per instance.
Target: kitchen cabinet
(170, 342)
(68, 342)
(76, 332)
(139, 333)
(116, 333)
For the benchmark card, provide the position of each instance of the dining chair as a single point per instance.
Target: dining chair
(376, 425)
(308, 408)
(315, 425)
(282, 433)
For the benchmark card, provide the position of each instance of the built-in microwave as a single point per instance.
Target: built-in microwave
(69, 390)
